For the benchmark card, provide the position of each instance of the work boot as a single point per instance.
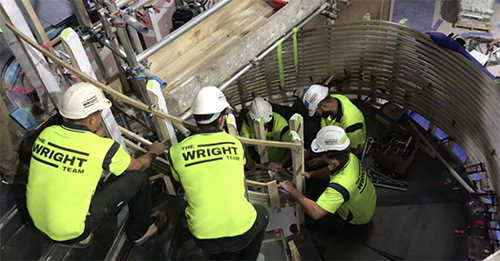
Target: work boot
(160, 220)
(82, 244)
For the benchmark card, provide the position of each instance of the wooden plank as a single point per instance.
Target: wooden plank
(180, 97)
(39, 28)
(214, 45)
(105, 88)
(278, 144)
(296, 125)
(261, 135)
(168, 182)
(274, 197)
(161, 123)
(185, 43)
(472, 27)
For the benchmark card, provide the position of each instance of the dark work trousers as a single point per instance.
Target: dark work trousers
(242, 247)
(316, 187)
(132, 188)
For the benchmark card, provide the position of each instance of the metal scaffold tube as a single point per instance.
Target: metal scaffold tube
(78, 7)
(169, 38)
(114, 48)
(257, 60)
(139, 76)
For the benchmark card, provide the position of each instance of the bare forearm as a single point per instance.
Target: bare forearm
(146, 160)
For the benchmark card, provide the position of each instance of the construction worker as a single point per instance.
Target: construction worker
(337, 110)
(349, 200)
(12, 169)
(276, 128)
(210, 167)
(63, 196)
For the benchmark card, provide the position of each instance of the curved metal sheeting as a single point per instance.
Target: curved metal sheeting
(405, 67)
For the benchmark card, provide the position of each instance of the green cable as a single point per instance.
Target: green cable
(295, 51)
(280, 65)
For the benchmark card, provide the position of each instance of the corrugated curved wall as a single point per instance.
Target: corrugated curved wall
(405, 67)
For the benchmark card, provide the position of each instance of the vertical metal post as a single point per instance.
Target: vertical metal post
(84, 21)
(139, 76)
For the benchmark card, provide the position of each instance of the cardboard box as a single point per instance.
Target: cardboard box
(395, 163)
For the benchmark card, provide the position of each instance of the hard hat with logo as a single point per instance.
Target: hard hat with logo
(261, 108)
(209, 100)
(329, 139)
(81, 100)
(313, 96)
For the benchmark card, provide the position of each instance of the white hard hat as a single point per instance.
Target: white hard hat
(209, 100)
(81, 100)
(313, 96)
(261, 108)
(330, 138)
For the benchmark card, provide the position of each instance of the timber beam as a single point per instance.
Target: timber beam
(181, 92)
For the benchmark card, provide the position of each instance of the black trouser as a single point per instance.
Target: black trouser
(242, 247)
(316, 187)
(132, 188)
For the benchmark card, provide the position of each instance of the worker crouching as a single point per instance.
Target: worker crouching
(63, 196)
(349, 200)
(276, 129)
(210, 167)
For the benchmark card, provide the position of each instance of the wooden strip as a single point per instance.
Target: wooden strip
(168, 182)
(215, 44)
(187, 41)
(261, 135)
(39, 28)
(472, 27)
(100, 85)
(278, 144)
(274, 198)
(161, 123)
(296, 124)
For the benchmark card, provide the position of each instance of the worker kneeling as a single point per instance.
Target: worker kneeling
(210, 167)
(276, 129)
(349, 201)
(63, 196)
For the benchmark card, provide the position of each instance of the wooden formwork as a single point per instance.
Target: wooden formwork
(267, 191)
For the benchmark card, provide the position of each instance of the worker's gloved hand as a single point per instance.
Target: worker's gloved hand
(315, 162)
(157, 148)
(274, 166)
(251, 165)
(306, 174)
(287, 185)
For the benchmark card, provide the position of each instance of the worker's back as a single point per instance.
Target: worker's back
(209, 166)
(65, 168)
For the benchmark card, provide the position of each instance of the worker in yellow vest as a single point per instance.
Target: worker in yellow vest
(276, 129)
(349, 200)
(63, 196)
(337, 110)
(210, 167)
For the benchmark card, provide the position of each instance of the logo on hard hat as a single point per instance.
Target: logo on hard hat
(90, 101)
(331, 141)
(313, 98)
